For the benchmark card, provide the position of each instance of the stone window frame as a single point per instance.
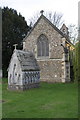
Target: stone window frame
(45, 54)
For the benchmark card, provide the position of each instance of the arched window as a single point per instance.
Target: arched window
(42, 46)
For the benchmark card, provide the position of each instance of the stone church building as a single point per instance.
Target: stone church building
(51, 48)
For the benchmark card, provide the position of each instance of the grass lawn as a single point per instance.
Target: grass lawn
(59, 100)
(0, 98)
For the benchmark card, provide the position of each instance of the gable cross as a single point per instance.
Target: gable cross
(42, 11)
(15, 46)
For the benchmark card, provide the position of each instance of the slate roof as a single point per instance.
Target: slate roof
(27, 61)
(59, 31)
(42, 16)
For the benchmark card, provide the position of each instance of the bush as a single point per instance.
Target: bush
(77, 62)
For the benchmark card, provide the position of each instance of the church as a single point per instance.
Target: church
(45, 57)
(51, 48)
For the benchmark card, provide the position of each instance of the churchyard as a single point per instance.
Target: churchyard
(58, 100)
(0, 98)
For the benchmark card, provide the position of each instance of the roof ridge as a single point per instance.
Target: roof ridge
(57, 29)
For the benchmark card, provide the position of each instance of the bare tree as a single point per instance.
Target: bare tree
(54, 17)
(57, 19)
(78, 33)
(73, 33)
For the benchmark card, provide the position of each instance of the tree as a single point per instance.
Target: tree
(77, 62)
(0, 39)
(57, 19)
(14, 30)
(76, 59)
(73, 33)
(54, 17)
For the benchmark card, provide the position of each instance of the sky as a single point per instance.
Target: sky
(29, 8)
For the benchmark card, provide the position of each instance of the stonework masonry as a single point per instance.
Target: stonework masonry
(23, 71)
(52, 67)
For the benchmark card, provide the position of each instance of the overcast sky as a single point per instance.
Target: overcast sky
(28, 8)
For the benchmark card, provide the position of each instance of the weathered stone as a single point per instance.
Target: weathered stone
(52, 69)
(23, 71)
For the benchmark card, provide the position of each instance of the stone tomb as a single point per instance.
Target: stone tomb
(23, 71)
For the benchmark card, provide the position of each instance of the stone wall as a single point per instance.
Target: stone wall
(54, 38)
(30, 77)
(22, 79)
(51, 70)
(51, 67)
(14, 74)
(23, 87)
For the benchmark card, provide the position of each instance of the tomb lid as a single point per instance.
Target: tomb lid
(27, 61)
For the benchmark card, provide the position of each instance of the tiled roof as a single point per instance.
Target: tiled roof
(27, 61)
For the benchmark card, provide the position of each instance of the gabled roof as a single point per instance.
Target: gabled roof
(64, 26)
(42, 16)
(27, 60)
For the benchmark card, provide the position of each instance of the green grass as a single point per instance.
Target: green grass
(0, 98)
(49, 101)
